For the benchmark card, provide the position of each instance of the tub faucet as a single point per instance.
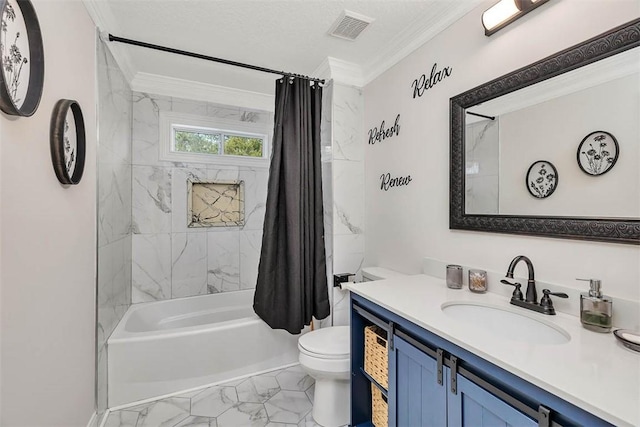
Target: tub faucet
(532, 294)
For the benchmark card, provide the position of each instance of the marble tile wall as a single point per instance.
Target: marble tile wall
(347, 191)
(482, 164)
(114, 207)
(326, 158)
(169, 259)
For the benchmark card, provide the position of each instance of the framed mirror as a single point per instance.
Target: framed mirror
(546, 111)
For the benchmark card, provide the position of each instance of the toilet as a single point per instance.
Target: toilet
(325, 356)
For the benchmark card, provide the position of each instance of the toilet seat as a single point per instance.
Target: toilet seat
(327, 343)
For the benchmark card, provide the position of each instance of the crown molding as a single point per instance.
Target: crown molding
(105, 22)
(342, 72)
(417, 34)
(179, 88)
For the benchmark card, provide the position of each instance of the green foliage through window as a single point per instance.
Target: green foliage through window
(194, 141)
(197, 142)
(242, 146)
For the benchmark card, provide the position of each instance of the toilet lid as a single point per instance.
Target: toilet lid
(331, 341)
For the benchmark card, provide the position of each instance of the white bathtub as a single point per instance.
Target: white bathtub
(168, 346)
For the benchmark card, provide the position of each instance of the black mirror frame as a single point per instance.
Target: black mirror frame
(618, 230)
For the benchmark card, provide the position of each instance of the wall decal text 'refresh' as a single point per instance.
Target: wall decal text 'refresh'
(422, 83)
(380, 134)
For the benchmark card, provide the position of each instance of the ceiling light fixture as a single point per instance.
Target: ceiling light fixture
(505, 12)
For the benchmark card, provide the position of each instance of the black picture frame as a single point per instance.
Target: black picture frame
(542, 184)
(600, 161)
(67, 175)
(34, 59)
(617, 230)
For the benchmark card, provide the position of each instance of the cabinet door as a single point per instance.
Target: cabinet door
(473, 406)
(415, 397)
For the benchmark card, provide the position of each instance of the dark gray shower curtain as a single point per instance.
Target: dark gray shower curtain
(292, 276)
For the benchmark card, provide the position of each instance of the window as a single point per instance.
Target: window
(199, 139)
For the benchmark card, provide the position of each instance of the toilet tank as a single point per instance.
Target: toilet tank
(378, 273)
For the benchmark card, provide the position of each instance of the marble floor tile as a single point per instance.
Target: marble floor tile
(122, 419)
(213, 401)
(308, 421)
(163, 413)
(257, 401)
(233, 383)
(311, 391)
(198, 422)
(294, 378)
(258, 389)
(288, 406)
(244, 415)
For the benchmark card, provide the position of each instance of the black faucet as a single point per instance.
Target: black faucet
(531, 300)
(532, 294)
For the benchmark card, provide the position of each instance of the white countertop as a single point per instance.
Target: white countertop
(592, 371)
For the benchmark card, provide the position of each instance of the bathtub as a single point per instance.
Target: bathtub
(163, 347)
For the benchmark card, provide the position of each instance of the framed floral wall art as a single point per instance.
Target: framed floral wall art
(542, 179)
(21, 58)
(598, 153)
(67, 140)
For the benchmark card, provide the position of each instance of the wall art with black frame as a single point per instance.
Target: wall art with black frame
(21, 59)
(598, 153)
(542, 179)
(67, 139)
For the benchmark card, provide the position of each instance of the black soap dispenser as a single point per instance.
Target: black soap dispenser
(596, 310)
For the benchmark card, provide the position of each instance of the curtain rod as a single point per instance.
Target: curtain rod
(113, 38)
(481, 115)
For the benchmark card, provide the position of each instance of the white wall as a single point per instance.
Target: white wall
(552, 131)
(47, 329)
(407, 223)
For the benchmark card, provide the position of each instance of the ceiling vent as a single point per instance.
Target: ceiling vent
(350, 25)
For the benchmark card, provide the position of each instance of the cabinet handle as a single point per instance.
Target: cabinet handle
(454, 374)
(440, 360)
(544, 416)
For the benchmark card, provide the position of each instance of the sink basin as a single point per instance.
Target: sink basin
(506, 323)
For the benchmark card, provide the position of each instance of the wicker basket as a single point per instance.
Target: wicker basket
(376, 355)
(379, 408)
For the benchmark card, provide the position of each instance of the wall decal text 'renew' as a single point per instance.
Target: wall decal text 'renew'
(380, 134)
(421, 84)
(387, 182)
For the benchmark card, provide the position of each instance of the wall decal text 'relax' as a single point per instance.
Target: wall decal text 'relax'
(422, 83)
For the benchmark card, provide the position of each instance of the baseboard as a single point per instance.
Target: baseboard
(93, 421)
(124, 406)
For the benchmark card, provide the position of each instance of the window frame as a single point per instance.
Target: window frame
(170, 121)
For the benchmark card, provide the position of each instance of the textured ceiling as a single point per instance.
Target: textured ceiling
(286, 35)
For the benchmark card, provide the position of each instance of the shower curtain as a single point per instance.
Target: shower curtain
(292, 277)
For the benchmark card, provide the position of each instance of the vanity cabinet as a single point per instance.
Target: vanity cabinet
(433, 382)
(424, 396)
(419, 394)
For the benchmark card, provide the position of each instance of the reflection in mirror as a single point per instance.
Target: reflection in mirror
(543, 112)
(547, 121)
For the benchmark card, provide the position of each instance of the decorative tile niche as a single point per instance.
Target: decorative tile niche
(215, 204)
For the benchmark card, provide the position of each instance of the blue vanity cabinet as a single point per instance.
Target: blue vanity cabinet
(473, 406)
(416, 396)
(433, 382)
(420, 394)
